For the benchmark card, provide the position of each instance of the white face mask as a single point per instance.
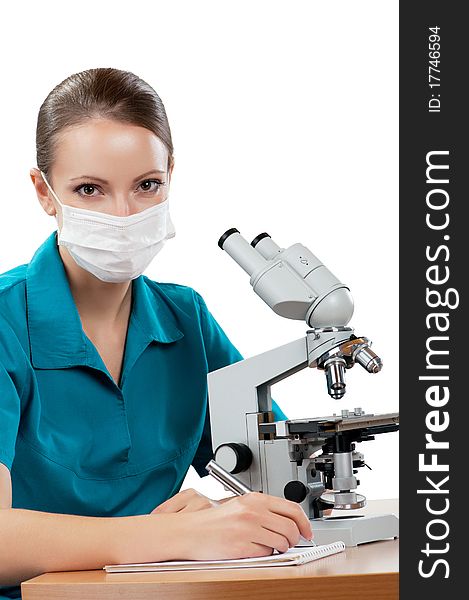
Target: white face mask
(114, 249)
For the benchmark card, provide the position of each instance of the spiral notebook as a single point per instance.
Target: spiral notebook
(293, 556)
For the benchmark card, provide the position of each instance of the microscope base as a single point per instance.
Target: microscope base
(355, 530)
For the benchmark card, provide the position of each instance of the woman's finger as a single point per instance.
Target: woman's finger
(198, 504)
(282, 525)
(272, 539)
(294, 511)
(287, 508)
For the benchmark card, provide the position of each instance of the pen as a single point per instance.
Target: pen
(233, 484)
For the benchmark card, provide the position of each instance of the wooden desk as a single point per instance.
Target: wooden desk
(367, 572)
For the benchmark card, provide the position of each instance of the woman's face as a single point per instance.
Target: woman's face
(106, 166)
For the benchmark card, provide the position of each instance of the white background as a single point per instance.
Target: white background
(284, 119)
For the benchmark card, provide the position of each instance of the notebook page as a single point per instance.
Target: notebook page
(290, 557)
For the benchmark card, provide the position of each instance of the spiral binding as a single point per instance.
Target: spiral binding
(320, 551)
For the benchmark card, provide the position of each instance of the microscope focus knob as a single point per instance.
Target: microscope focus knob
(295, 491)
(234, 457)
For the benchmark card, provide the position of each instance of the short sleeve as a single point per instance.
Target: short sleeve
(12, 381)
(220, 352)
(9, 416)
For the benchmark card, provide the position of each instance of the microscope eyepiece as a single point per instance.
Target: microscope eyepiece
(258, 238)
(227, 233)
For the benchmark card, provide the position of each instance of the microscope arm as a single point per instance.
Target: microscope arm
(244, 387)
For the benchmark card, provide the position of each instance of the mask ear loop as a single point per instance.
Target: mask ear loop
(53, 193)
(50, 189)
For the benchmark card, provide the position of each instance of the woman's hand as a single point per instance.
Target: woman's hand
(186, 501)
(250, 525)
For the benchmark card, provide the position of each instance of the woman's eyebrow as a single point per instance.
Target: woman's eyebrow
(106, 182)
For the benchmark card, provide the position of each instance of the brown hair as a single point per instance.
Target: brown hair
(99, 93)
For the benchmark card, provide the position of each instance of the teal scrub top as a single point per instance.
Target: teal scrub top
(74, 441)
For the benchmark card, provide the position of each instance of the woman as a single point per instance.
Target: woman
(103, 395)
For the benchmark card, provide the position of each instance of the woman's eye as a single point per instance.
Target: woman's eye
(147, 185)
(87, 188)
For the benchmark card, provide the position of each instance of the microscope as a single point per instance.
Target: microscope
(312, 461)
